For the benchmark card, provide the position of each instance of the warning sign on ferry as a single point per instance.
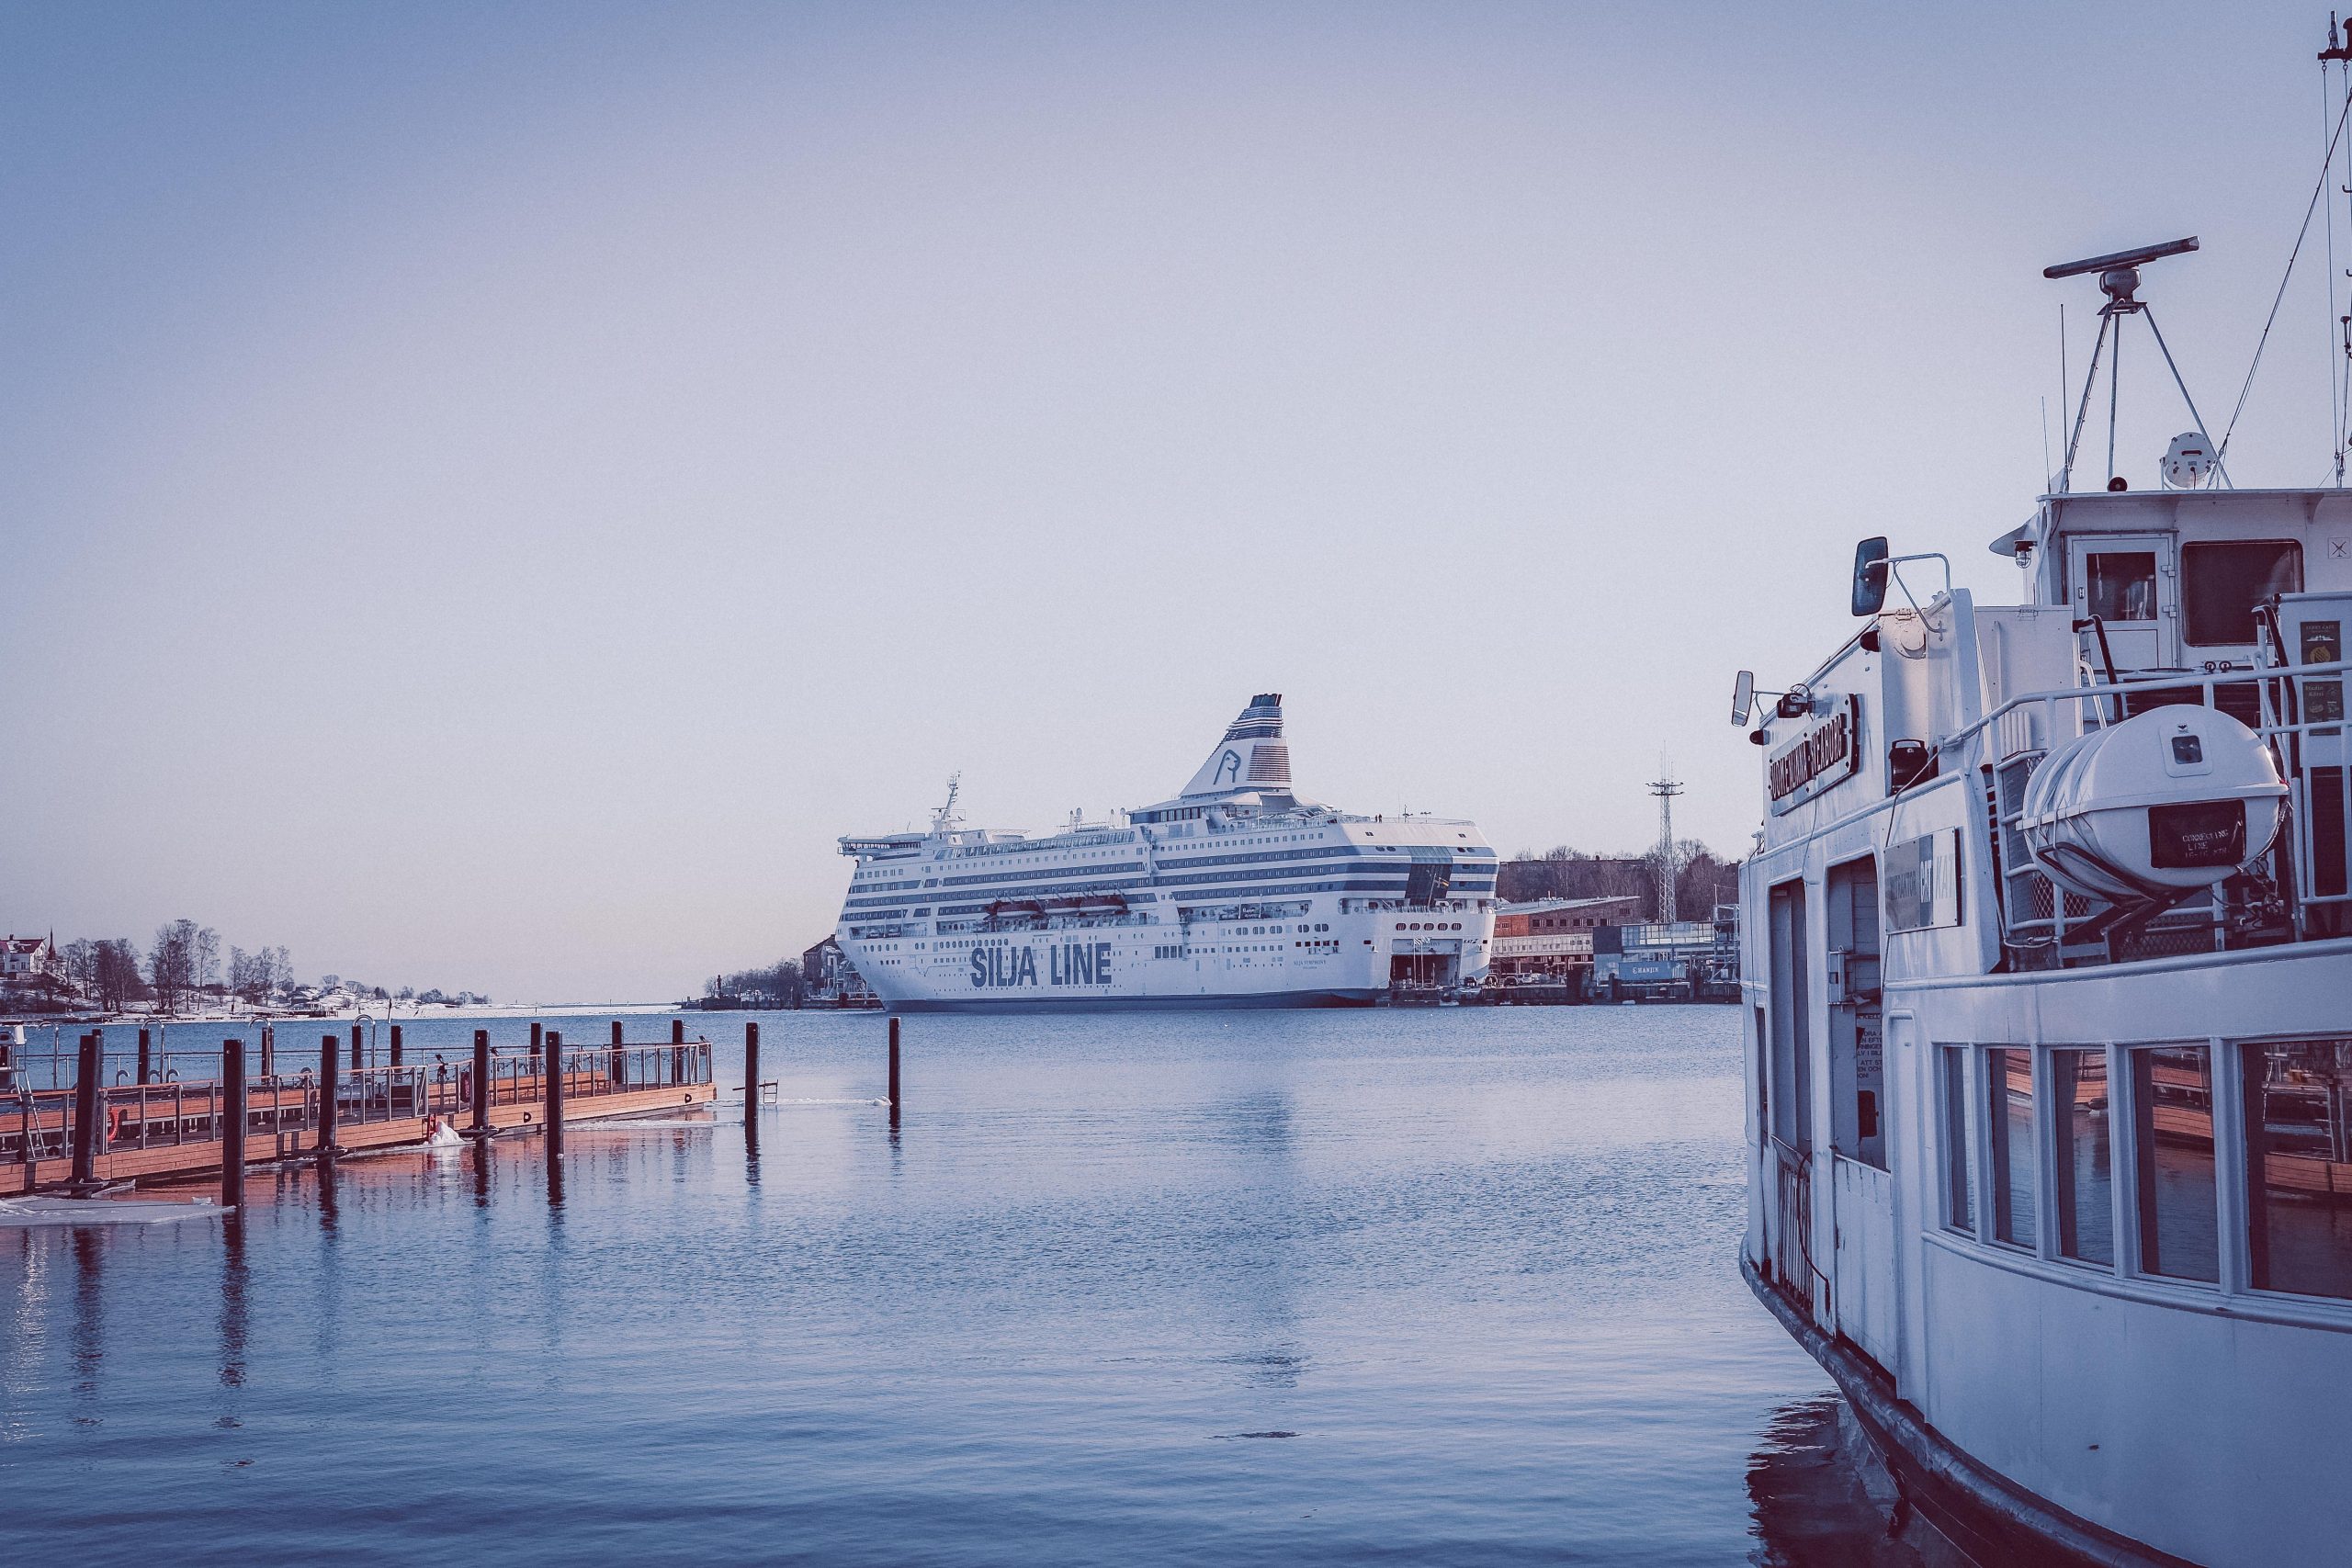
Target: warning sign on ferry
(1826, 753)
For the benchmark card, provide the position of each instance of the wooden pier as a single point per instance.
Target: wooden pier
(171, 1131)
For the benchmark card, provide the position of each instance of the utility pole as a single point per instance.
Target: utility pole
(1666, 789)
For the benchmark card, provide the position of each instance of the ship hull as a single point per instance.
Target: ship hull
(1352, 998)
(1990, 1518)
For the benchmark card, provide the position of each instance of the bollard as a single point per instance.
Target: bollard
(555, 1097)
(396, 1045)
(621, 1062)
(329, 1090)
(268, 1050)
(750, 1084)
(232, 1125)
(481, 1129)
(146, 1066)
(893, 1069)
(88, 1119)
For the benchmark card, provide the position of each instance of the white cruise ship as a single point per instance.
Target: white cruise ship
(2048, 978)
(1236, 893)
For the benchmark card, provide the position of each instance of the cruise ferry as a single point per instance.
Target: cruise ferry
(1237, 892)
(2047, 973)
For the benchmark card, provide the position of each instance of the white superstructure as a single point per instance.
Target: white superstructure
(1235, 893)
(2050, 1076)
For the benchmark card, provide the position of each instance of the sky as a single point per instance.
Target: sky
(490, 492)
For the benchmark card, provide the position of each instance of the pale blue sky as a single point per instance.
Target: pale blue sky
(487, 494)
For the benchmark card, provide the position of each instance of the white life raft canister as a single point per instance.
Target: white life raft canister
(2175, 799)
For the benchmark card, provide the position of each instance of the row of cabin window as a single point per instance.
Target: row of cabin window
(2296, 1100)
(2221, 585)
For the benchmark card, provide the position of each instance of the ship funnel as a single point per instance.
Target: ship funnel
(1251, 755)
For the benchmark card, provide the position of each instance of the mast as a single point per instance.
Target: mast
(1666, 789)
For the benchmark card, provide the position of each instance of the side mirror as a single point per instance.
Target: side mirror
(1743, 698)
(1869, 575)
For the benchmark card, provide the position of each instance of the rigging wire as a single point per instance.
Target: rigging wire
(2340, 326)
(2300, 235)
(2336, 387)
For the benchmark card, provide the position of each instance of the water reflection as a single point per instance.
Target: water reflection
(482, 1173)
(88, 1335)
(1258, 1128)
(233, 1281)
(1821, 1497)
(2300, 1165)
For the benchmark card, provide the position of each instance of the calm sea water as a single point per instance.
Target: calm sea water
(1448, 1286)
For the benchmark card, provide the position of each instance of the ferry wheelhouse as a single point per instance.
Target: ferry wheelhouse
(1237, 892)
(2047, 973)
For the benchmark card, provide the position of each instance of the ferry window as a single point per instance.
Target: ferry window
(1960, 1172)
(2083, 1197)
(2172, 1114)
(2221, 583)
(2120, 586)
(2009, 1084)
(2299, 1165)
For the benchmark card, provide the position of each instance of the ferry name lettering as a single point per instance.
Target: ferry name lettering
(1067, 964)
(1824, 747)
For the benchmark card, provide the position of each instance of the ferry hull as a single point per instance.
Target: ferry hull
(1988, 1516)
(1359, 997)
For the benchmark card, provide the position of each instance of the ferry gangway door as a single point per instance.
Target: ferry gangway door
(2129, 584)
(1788, 1151)
(1862, 1263)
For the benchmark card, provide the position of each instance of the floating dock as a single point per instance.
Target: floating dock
(109, 1135)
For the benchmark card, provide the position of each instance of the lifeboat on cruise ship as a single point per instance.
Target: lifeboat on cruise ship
(2155, 807)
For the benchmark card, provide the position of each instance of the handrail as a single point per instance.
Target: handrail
(2162, 681)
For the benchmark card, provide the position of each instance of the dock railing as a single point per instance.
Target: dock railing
(39, 1124)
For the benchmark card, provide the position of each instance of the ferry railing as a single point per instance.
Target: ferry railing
(2314, 849)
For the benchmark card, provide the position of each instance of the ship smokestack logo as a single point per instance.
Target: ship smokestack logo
(1228, 767)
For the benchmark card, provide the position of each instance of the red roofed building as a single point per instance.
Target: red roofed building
(28, 957)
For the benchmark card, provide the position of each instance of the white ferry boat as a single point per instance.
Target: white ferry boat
(1235, 893)
(2047, 966)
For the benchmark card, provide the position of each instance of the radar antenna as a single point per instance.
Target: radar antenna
(2118, 280)
(945, 818)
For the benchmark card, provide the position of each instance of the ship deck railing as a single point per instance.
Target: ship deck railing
(2298, 709)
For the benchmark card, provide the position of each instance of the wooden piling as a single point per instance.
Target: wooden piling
(481, 1129)
(678, 1050)
(269, 1051)
(894, 1069)
(535, 1049)
(750, 1083)
(146, 1063)
(620, 1061)
(330, 1091)
(89, 1121)
(396, 1045)
(555, 1097)
(233, 1124)
(357, 1044)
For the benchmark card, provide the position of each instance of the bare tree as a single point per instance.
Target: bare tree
(81, 961)
(204, 958)
(117, 973)
(171, 964)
